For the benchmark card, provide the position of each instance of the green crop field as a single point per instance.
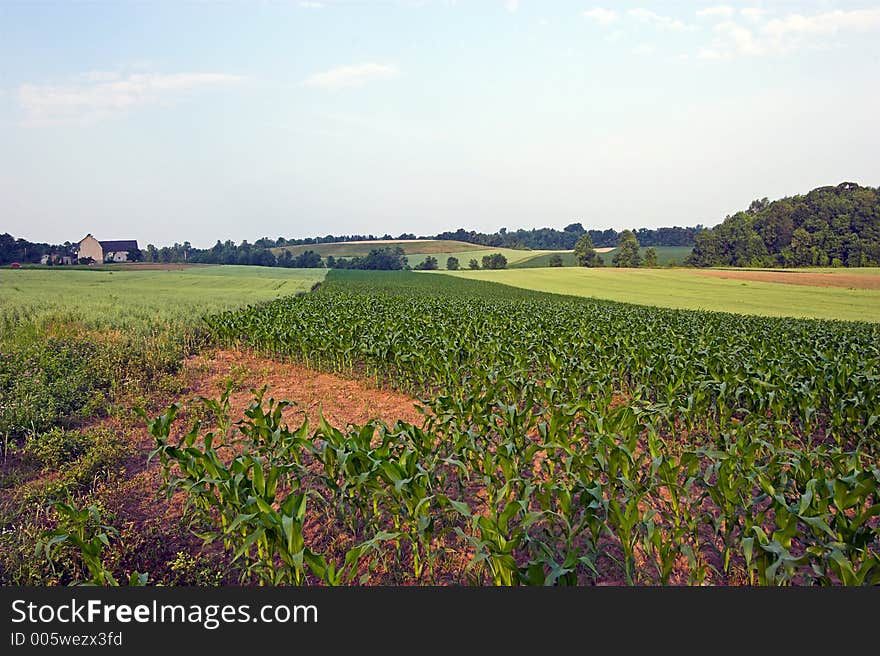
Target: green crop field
(564, 440)
(567, 441)
(124, 299)
(683, 288)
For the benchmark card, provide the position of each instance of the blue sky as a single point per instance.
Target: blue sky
(170, 122)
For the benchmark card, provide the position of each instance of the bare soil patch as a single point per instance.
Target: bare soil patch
(152, 528)
(341, 400)
(811, 279)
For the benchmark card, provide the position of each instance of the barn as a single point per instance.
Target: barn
(106, 251)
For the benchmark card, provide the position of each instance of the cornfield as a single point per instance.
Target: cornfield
(566, 441)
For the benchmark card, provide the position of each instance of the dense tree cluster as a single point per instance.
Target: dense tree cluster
(494, 261)
(565, 239)
(829, 226)
(387, 258)
(26, 252)
(306, 260)
(430, 263)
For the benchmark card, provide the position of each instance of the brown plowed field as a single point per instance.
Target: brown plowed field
(811, 279)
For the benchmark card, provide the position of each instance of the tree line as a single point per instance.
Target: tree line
(565, 239)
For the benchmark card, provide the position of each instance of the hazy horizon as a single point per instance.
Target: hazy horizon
(167, 122)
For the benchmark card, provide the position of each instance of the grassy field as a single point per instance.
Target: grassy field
(665, 255)
(417, 250)
(513, 256)
(682, 288)
(410, 246)
(125, 299)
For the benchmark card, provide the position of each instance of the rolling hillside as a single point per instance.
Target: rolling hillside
(416, 250)
(360, 248)
(665, 254)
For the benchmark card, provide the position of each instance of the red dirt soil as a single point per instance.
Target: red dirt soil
(811, 279)
(134, 498)
(341, 400)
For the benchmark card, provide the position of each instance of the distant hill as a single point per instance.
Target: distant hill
(416, 250)
(666, 256)
(361, 248)
(829, 226)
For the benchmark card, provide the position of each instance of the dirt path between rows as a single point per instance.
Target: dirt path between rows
(812, 279)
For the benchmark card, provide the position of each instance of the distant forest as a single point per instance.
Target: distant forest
(565, 239)
(830, 226)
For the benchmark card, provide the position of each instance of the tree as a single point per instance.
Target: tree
(379, 259)
(452, 263)
(135, 255)
(556, 260)
(651, 257)
(584, 252)
(428, 264)
(627, 254)
(473, 264)
(307, 260)
(494, 261)
(799, 253)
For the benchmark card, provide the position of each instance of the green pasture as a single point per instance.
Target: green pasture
(684, 288)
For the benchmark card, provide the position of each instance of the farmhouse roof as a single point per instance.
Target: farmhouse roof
(117, 245)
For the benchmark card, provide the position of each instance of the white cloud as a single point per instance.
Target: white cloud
(663, 22)
(787, 33)
(643, 49)
(312, 5)
(752, 14)
(601, 15)
(511, 5)
(719, 11)
(351, 76)
(97, 95)
(742, 38)
(824, 24)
